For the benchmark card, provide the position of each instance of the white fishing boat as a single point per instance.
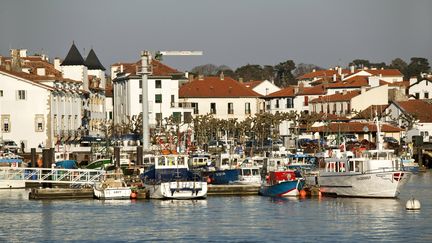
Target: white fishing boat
(170, 178)
(112, 186)
(375, 173)
(249, 175)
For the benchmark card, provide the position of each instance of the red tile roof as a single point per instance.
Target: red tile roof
(322, 73)
(332, 117)
(420, 109)
(159, 69)
(314, 90)
(252, 84)
(354, 127)
(345, 96)
(286, 92)
(356, 81)
(214, 87)
(371, 112)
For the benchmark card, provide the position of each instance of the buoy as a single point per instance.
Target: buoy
(413, 204)
(302, 193)
(133, 195)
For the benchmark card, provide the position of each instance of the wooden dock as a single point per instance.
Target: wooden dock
(60, 193)
(233, 190)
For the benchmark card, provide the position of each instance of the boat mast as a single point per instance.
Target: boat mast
(378, 134)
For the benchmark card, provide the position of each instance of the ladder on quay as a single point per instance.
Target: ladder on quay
(51, 175)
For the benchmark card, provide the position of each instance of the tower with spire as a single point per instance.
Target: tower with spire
(73, 67)
(95, 68)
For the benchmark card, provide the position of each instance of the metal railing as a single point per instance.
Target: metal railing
(51, 175)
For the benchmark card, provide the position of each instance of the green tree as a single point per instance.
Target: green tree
(399, 64)
(303, 68)
(250, 72)
(360, 63)
(284, 76)
(417, 66)
(206, 70)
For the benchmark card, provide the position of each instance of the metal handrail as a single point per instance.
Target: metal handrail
(51, 175)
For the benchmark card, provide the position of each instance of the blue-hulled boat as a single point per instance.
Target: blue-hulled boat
(281, 184)
(170, 178)
(225, 170)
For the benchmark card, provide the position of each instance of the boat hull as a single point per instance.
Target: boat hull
(376, 185)
(112, 193)
(178, 190)
(283, 189)
(222, 177)
(12, 184)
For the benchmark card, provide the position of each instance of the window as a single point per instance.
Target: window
(158, 84)
(158, 98)
(426, 95)
(306, 100)
(289, 103)
(417, 95)
(212, 108)
(187, 116)
(172, 101)
(277, 104)
(230, 108)
(140, 84)
(177, 117)
(247, 108)
(39, 123)
(21, 95)
(140, 98)
(195, 108)
(1, 93)
(159, 119)
(5, 123)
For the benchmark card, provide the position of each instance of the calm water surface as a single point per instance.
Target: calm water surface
(219, 219)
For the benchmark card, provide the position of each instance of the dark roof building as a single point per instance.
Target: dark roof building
(92, 61)
(73, 58)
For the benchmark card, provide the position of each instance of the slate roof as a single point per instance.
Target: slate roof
(215, 87)
(92, 61)
(73, 58)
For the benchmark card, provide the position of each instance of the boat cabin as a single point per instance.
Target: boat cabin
(171, 162)
(228, 161)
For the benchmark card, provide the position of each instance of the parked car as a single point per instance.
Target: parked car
(11, 146)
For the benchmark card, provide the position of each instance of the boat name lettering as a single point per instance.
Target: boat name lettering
(363, 178)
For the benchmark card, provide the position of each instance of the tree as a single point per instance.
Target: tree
(206, 70)
(268, 72)
(417, 66)
(250, 72)
(360, 63)
(399, 64)
(303, 68)
(228, 72)
(284, 77)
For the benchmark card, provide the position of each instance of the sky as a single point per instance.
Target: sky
(235, 33)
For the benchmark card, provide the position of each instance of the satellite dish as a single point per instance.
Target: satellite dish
(365, 129)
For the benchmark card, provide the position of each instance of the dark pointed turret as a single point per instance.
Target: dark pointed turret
(73, 57)
(92, 61)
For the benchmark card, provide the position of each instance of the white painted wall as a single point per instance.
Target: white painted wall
(23, 112)
(423, 88)
(266, 87)
(373, 96)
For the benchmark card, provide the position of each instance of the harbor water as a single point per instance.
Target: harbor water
(220, 219)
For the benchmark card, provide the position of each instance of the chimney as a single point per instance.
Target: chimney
(8, 66)
(121, 68)
(334, 77)
(313, 70)
(352, 69)
(221, 76)
(191, 77)
(23, 52)
(57, 64)
(200, 77)
(344, 92)
(342, 76)
(339, 69)
(241, 80)
(40, 71)
(296, 90)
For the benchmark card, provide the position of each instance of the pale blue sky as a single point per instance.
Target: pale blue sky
(230, 32)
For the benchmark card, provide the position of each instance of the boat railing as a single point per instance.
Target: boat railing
(383, 169)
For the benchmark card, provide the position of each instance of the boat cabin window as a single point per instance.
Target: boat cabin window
(246, 172)
(161, 161)
(358, 165)
(255, 172)
(351, 166)
(225, 161)
(180, 161)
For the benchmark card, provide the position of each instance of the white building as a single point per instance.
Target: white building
(163, 93)
(420, 89)
(221, 96)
